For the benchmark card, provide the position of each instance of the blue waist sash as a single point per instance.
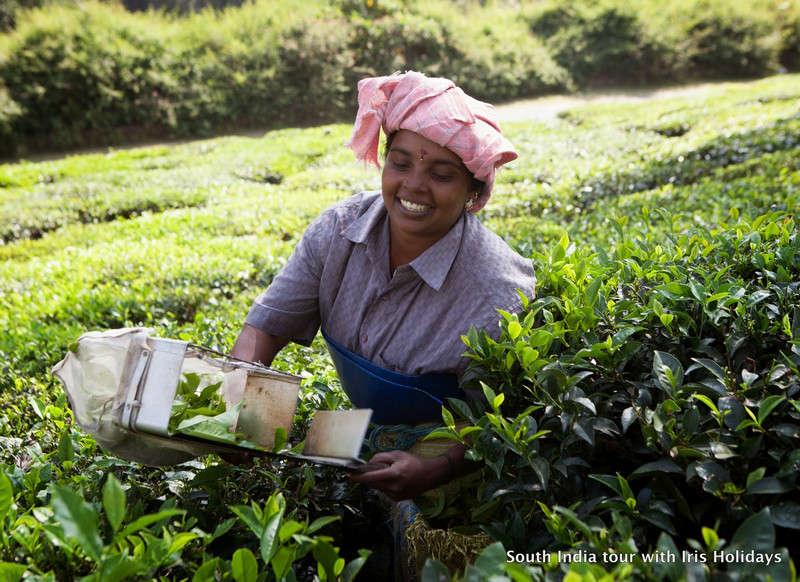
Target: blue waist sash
(393, 397)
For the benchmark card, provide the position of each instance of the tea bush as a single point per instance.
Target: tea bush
(643, 405)
(647, 397)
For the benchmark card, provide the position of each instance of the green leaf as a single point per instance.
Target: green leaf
(328, 558)
(755, 534)
(321, 522)
(6, 496)
(592, 291)
(353, 567)
(659, 519)
(667, 372)
(708, 402)
(675, 291)
(769, 485)
(623, 334)
(690, 421)
(281, 438)
(118, 567)
(207, 571)
(11, 572)
(756, 475)
(498, 400)
(628, 418)
(712, 367)
(66, 450)
(447, 418)
(472, 338)
(282, 563)
(656, 467)
(710, 537)
(269, 537)
(78, 521)
(147, 520)
(539, 338)
(244, 566)
(435, 571)
(767, 406)
(212, 428)
(492, 560)
(461, 407)
(114, 502)
(786, 514)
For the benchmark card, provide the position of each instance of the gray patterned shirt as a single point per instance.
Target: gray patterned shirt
(338, 277)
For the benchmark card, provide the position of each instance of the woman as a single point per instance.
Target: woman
(395, 278)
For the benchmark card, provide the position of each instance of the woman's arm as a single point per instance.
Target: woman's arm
(255, 345)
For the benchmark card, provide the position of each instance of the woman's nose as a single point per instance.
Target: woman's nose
(416, 179)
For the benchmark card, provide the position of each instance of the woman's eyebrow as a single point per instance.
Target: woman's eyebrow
(405, 152)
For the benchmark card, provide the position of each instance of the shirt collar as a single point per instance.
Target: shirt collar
(432, 266)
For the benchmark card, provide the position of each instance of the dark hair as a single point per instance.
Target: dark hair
(477, 186)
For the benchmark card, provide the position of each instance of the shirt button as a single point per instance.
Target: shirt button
(385, 296)
(364, 337)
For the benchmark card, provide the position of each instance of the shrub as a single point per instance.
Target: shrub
(9, 10)
(9, 114)
(400, 42)
(93, 74)
(788, 18)
(649, 392)
(96, 71)
(600, 43)
(713, 38)
(500, 61)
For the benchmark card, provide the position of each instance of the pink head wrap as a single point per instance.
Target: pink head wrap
(437, 110)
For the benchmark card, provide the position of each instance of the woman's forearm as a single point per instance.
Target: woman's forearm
(255, 345)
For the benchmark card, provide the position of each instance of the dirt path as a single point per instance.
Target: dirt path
(545, 108)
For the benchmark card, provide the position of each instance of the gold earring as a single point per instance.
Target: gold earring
(470, 203)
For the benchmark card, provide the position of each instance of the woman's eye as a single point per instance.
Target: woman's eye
(441, 177)
(399, 165)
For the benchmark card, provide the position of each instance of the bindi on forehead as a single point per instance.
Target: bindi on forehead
(422, 153)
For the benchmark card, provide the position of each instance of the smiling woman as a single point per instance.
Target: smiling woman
(424, 197)
(396, 278)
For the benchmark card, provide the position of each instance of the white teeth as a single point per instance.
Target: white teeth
(413, 206)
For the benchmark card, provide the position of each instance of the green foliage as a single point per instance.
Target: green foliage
(647, 396)
(645, 393)
(606, 41)
(94, 74)
(199, 411)
(601, 42)
(645, 402)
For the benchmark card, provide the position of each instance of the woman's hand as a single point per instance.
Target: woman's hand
(406, 476)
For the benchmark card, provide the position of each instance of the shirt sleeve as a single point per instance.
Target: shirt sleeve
(289, 308)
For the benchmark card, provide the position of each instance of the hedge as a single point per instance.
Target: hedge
(91, 73)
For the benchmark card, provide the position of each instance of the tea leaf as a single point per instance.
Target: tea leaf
(114, 502)
(78, 520)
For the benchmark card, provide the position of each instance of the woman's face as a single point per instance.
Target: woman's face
(425, 187)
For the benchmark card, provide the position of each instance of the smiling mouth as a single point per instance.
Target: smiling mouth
(413, 206)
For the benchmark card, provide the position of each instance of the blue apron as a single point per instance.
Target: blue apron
(393, 397)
